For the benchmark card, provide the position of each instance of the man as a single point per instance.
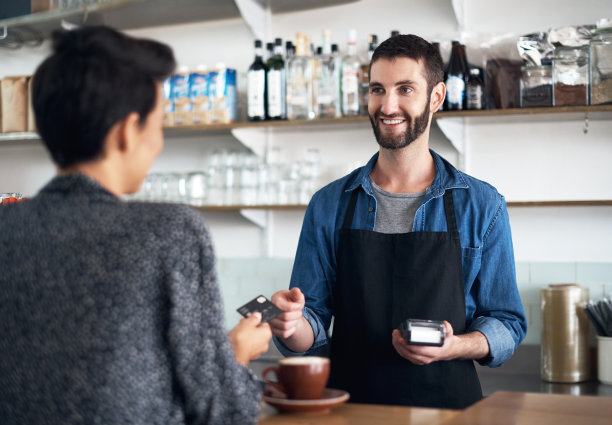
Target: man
(405, 236)
(110, 311)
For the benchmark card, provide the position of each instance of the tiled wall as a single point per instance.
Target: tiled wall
(243, 279)
(532, 277)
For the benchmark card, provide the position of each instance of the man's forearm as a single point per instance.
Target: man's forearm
(302, 339)
(473, 346)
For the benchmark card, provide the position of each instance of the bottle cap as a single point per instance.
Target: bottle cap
(257, 43)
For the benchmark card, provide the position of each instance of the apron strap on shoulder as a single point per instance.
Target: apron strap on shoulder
(350, 211)
(449, 209)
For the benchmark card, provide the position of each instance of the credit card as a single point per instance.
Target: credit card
(261, 304)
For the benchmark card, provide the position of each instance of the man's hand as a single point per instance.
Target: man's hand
(291, 302)
(473, 345)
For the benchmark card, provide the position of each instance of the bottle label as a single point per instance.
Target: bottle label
(474, 97)
(455, 90)
(256, 82)
(276, 93)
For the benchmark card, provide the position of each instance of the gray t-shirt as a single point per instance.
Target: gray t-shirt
(395, 211)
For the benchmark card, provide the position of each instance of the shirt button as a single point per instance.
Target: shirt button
(371, 209)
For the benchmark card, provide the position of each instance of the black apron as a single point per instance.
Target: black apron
(383, 279)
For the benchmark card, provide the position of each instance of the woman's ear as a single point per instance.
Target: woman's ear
(438, 93)
(129, 131)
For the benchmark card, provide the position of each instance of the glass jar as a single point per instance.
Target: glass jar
(536, 86)
(601, 66)
(571, 76)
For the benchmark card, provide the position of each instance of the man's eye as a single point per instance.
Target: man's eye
(376, 90)
(405, 90)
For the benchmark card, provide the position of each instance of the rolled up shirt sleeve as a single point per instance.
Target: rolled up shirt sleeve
(499, 313)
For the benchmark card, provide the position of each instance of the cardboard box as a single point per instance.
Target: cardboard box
(43, 5)
(14, 92)
(31, 120)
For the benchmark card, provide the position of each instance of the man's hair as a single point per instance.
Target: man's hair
(413, 47)
(95, 77)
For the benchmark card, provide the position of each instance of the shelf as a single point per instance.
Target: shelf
(594, 112)
(513, 114)
(286, 207)
(510, 204)
(585, 203)
(132, 14)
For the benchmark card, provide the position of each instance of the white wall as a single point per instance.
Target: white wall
(526, 160)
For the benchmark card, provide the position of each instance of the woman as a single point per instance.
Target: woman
(109, 310)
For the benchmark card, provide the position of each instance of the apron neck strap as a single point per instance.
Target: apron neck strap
(449, 209)
(348, 218)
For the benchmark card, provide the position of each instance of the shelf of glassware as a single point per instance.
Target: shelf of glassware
(510, 204)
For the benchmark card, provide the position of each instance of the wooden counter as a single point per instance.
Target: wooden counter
(359, 414)
(510, 408)
(501, 408)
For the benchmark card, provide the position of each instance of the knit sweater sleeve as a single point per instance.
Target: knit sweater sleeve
(215, 389)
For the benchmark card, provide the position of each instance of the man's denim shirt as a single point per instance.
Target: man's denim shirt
(493, 304)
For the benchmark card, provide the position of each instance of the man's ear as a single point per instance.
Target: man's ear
(129, 130)
(438, 93)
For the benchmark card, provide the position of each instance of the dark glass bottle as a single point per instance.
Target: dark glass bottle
(474, 90)
(289, 50)
(455, 81)
(276, 81)
(269, 51)
(256, 84)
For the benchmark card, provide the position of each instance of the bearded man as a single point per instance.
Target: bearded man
(407, 236)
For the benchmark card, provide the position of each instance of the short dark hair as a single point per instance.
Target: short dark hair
(413, 47)
(95, 77)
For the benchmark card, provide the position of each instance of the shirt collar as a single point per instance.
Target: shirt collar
(447, 177)
(76, 184)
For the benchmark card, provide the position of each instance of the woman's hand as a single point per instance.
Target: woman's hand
(250, 338)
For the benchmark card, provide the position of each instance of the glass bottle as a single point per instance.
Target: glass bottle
(351, 65)
(300, 99)
(474, 90)
(364, 84)
(276, 79)
(455, 81)
(256, 86)
(601, 66)
(327, 81)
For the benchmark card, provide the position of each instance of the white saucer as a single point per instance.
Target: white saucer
(331, 398)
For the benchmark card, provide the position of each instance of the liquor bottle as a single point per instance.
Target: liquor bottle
(466, 72)
(289, 50)
(474, 90)
(327, 80)
(364, 84)
(300, 98)
(276, 79)
(256, 86)
(455, 81)
(351, 65)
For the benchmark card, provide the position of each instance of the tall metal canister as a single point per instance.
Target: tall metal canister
(565, 332)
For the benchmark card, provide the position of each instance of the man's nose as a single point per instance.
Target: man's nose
(389, 104)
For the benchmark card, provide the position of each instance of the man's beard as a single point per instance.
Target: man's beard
(414, 129)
